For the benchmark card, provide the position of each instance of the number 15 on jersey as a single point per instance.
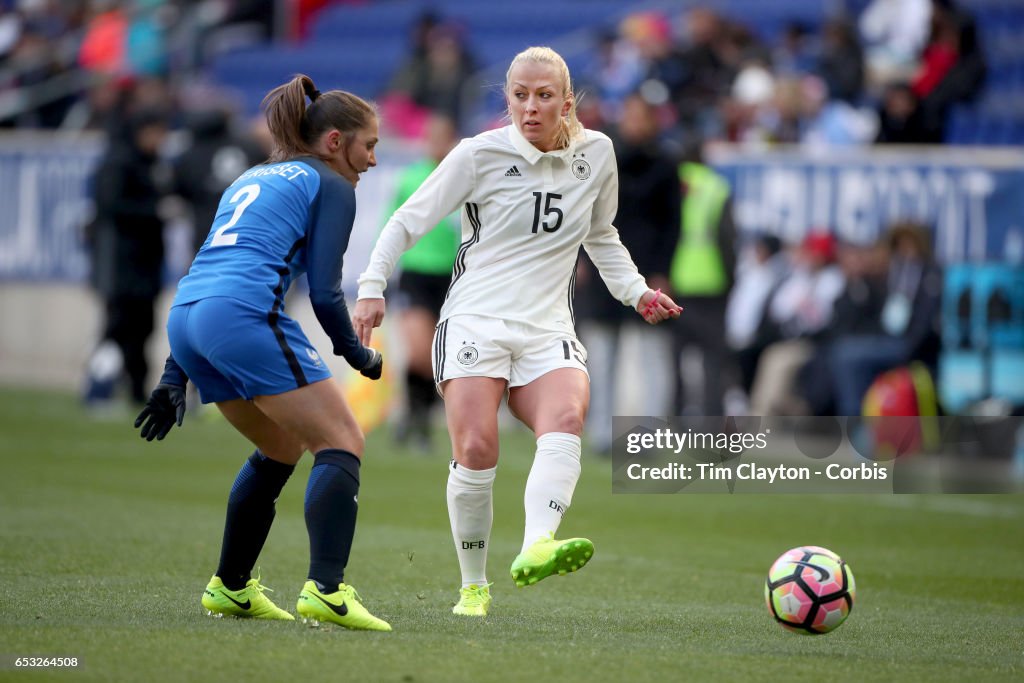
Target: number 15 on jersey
(549, 224)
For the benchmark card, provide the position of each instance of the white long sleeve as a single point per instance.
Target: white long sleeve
(438, 196)
(524, 216)
(606, 251)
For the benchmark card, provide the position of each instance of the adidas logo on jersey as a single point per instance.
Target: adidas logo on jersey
(513, 173)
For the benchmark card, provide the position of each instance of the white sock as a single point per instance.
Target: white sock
(470, 511)
(553, 477)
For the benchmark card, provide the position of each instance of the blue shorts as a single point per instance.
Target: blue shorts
(231, 349)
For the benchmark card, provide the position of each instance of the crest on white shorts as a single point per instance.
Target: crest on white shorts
(468, 355)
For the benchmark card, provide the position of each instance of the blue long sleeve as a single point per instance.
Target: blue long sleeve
(328, 237)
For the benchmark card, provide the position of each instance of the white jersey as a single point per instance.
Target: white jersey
(525, 214)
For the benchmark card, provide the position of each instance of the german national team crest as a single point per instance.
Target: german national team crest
(580, 168)
(468, 355)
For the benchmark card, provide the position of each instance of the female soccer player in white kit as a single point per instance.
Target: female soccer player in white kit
(531, 193)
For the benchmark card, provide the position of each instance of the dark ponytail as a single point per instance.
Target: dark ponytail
(295, 127)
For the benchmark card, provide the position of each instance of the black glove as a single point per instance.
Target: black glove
(166, 405)
(374, 366)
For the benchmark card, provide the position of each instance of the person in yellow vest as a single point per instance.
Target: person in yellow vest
(426, 271)
(701, 276)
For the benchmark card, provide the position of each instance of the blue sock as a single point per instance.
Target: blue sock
(331, 507)
(250, 514)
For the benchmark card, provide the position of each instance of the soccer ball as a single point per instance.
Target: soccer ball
(810, 590)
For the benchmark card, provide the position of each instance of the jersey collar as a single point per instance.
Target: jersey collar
(531, 153)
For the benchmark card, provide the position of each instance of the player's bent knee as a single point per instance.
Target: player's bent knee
(352, 440)
(337, 430)
(567, 423)
(475, 451)
(357, 442)
(288, 454)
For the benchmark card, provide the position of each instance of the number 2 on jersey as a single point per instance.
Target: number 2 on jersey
(245, 196)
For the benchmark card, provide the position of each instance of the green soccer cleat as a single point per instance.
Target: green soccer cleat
(341, 607)
(474, 601)
(548, 556)
(247, 603)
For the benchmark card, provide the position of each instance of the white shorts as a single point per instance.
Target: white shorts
(480, 346)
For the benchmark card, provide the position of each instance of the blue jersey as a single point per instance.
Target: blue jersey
(273, 223)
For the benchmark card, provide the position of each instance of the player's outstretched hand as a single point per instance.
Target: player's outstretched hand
(656, 307)
(166, 405)
(369, 314)
(374, 367)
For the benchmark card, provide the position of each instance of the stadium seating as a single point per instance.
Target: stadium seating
(359, 47)
(997, 118)
(982, 335)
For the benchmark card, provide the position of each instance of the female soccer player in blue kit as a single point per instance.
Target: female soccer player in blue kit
(229, 334)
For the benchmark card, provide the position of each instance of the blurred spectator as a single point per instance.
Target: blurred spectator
(701, 277)
(704, 65)
(648, 35)
(940, 54)
(302, 16)
(803, 304)
(100, 106)
(751, 113)
(802, 113)
(760, 268)
(782, 119)
(10, 31)
(103, 45)
(952, 69)
(894, 34)
(909, 320)
(620, 345)
(740, 45)
(146, 37)
(431, 80)
(698, 72)
(901, 120)
(32, 63)
(856, 312)
(127, 38)
(127, 240)
(798, 313)
(426, 271)
(214, 157)
(831, 122)
(841, 63)
(703, 35)
(796, 53)
(59, 43)
(614, 71)
(218, 26)
(111, 99)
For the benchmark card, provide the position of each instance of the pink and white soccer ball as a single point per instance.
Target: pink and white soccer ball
(810, 590)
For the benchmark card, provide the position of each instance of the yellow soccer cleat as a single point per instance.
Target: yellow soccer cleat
(341, 607)
(474, 601)
(549, 556)
(247, 603)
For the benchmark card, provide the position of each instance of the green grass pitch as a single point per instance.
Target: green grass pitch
(106, 543)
